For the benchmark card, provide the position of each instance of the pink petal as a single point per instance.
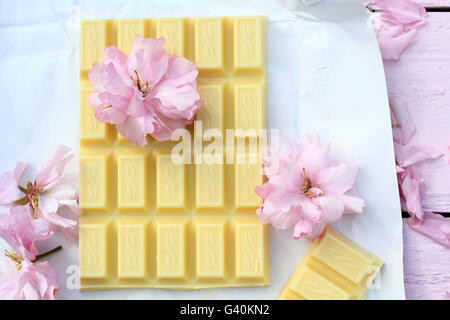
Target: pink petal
(301, 228)
(9, 277)
(317, 231)
(178, 89)
(110, 115)
(53, 166)
(410, 189)
(109, 108)
(271, 160)
(21, 231)
(137, 106)
(113, 81)
(404, 12)
(312, 156)
(264, 190)
(270, 213)
(288, 152)
(352, 204)
(48, 209)
(393, 41)
(132, 129)
(65, 188)
(261, 216)
(95, 101)
(51, 280)
(72, 205)
(310, 230)
(337, 180)
(180, 71)
(332, 207)
(415, 154)
(434, 226)
(118, 59)
(289, 178)
(165, 126)
(115, 101)
(311, 210)
(95, 77)
(9, 188)
(38, 281)
(30, 292)
(396, 25)
(403, 128)
(178, 102)
(149, 59)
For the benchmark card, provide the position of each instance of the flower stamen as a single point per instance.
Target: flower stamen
(15, 257)
(31, 196)
(143, 88)
(307, 185)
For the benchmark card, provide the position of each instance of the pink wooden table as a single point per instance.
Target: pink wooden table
(422, 79)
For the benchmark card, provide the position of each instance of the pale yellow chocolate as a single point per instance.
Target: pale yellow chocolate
(149, 222)
(333, 268)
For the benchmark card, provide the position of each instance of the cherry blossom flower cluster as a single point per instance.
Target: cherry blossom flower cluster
(34, 211)
(308, 190)
(147, 92)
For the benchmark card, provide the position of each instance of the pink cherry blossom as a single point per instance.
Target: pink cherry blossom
(23, 280)
(52, 191)
(21, 231)
(308, 190)
(49, 192)
(148, 92)
(396, 25)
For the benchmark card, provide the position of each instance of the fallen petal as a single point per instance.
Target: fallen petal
(393, 41)
(434, 226)
(410, 188)
(407, 156)
(403, 128)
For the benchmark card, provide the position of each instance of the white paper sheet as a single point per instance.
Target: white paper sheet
(325, 76)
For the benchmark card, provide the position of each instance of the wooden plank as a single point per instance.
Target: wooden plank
(425, 264)
(421, 78)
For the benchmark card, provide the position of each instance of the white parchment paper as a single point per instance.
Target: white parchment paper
(325, 76)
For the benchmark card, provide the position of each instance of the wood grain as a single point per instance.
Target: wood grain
(426, 266)
(421, 78)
